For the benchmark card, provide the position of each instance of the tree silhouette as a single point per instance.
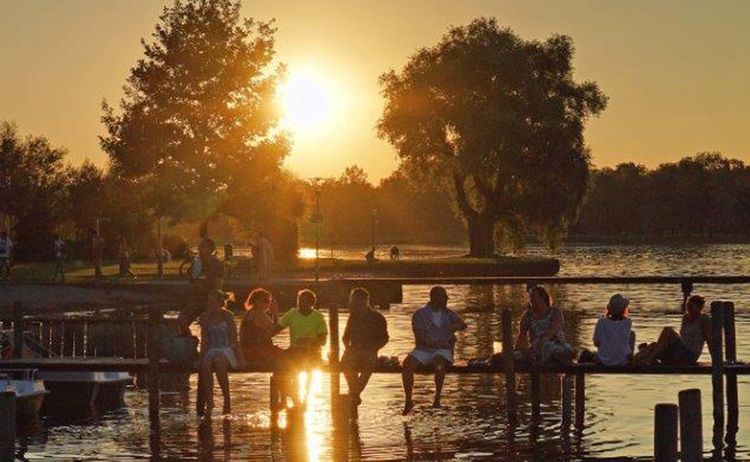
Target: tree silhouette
(198, 110)
(501, 119)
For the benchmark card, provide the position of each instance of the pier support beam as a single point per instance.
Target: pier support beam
(665, 433)
(580, 400)
(511, 401)
(155, 317)
(691, 426)
(730, 349)
(7, 425)
(566, 398)
(18, 329)
(717, 371)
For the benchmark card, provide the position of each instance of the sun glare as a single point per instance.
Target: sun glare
(306, 100)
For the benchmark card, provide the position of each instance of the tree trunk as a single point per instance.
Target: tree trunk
(481, 236)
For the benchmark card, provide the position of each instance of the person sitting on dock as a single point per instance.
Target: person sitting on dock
(541, 335)
(257, 328)
(366, 332)
(219, 350)
(370, 256)
(613, 335)
(308, 331)
(684, 348)
(435, 328)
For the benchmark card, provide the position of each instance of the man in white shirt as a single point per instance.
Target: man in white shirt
(6, 252)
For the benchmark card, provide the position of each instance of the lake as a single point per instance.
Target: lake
(472, 424)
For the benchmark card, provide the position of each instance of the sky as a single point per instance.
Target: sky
(677, 72)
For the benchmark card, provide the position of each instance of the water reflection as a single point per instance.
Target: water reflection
(473, 425)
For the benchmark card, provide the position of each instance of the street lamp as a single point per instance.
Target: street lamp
(374, 220)
(317, 219)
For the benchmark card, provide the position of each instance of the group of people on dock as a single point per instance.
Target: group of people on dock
(225, 346)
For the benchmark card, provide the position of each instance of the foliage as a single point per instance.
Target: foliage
(199, 110)
(32, 190)
(502, 119)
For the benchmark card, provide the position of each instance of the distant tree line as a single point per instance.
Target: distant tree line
(702, 196)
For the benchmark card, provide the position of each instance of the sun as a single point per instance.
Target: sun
(307, 100)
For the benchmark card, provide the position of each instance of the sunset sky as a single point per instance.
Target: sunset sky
(677, 72)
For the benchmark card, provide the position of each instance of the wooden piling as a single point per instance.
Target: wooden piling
(18, 328)
(536, 393)
(333, 352)
(154, 320)
(691, 425)
(665, 433)
(717, 370)
(580, 400)
(7, 425)
(511, 401)
(566, 394)
(730, 355)
(687, 289)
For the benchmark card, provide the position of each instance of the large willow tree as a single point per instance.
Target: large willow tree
(195, 125)
(501, 120)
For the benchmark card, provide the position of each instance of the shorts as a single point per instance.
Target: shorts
(426, 356)
(227, 352)
(359, 359)
(677, 354)
(303, 358)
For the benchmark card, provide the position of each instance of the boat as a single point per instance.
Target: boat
(75, 389)
(30, 391)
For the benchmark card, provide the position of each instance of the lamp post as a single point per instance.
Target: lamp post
(317, 219)
(374, 220)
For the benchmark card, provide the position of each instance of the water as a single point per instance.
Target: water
(472, 425)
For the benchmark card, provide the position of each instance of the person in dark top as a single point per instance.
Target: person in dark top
(257, 328)
(366, 332)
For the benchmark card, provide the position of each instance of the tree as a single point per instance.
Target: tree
(198, 110)
(32, 187)
(502, 120)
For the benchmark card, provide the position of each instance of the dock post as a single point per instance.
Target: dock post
(333, 355)
(731, 357)
(154, 321)
(580, 399)
(687, 289)
(7, 425)
(566, 394)
(509, 366)
(717, 370)
(691, 425)
(18, 329)
(665, 433)
(536, 392)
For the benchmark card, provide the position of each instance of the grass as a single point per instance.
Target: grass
(80, 272)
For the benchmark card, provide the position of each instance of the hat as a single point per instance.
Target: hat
(617, 304)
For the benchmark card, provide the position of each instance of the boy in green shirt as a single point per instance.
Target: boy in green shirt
(308, 331)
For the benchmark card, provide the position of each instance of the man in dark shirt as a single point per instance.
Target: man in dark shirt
(366, 332)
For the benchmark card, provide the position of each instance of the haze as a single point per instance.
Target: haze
(677, 73)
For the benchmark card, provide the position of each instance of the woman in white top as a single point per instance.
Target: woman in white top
(613, 334)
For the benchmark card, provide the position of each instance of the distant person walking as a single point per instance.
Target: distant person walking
(124, 255)
(435, 328)
(395, 253)
(6, 255)
(60, 251)
(366, 332)
(264, 256)
(97, 253)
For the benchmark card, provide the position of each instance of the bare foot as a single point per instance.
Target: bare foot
(408, 406)
(436, 403)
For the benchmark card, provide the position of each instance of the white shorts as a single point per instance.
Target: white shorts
(426, 356)
(227, 352)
